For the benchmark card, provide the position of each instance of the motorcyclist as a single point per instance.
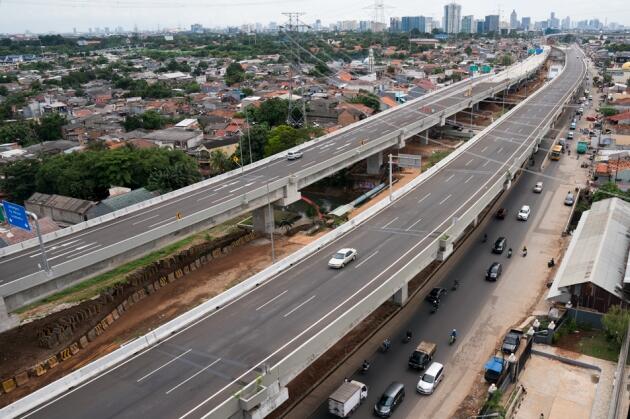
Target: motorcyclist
(454, 333)
(485, 237)
(408, 335)
(366, 365)
(509, 252)
(524, 251)
(387, 344)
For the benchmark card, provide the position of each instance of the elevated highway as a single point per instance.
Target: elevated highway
(235, 361)
(98, 245)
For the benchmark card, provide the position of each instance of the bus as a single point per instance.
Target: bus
(556, 151)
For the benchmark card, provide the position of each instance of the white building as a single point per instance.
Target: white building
(452, 18)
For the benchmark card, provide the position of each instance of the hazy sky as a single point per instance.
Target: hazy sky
(62, 15)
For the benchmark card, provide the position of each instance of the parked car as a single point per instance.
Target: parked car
(431, 378)
(569, 199)
(342, 258)
(570, 135)
(499, 245)
(494, 271)
(501, 213)
(538, 187)
(436, 294)
(392, 397)
(572, 126)
(294, 155)
(511, 342)
(523, 213)
(580, 111)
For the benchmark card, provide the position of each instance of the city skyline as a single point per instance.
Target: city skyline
(61, 16)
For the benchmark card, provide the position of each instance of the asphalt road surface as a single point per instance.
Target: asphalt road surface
(193, 371)
(459, 309)
(17, 265)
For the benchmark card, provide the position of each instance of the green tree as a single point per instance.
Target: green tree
(21, 132)
(608, 111)
(153, 120)
(247, 91)
(3, 91)
(173, 177)
(272, 112)
(234, 74)
(220, 162)
(468, 50)
(192, 88)
(506, 60)
(284, 137)
(610, 190)
(132, 122)
(615, 323)
(256, 139)
(18, 179)
(367, 99)
(49, 127)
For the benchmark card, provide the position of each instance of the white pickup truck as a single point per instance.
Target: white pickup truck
(347, 398)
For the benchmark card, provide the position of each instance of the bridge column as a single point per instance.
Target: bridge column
(291, 193)
(401, 296)
(426, 138)
(263, 220)
(374, 163)
(6, 320)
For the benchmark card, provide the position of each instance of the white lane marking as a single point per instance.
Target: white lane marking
(60, 247)
(424, 197)
(164, 365)
(365, 260)
(414, 224)
(206, 197)
(76, 251)
(145, 219)
(469, 179)
(445, 199)
(343, 146)
(272, 178)
(273, 299)
(388, 224)
(486, 163)
(298, 307)
(469, 161)
(168, 220)
(450, 177)
(520, 130)
(499, 151)
(241, 187)
(193, 376)
(484, 149)
(310, 163)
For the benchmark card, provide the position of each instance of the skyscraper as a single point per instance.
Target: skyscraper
(468, 24)
(514, 20)
(491, 23)
(526, 23)
(409, 23)
(394, 24)
(452, 17)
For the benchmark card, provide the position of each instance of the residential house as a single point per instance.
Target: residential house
(120, 201)
(62, 209)
(349, 113)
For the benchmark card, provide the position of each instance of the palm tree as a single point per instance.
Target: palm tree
(219, 161)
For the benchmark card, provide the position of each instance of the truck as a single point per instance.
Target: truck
(347, 398)
(422, 355)
(582, 147)
(495, 368)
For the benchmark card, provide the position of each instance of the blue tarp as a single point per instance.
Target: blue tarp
(494, 364)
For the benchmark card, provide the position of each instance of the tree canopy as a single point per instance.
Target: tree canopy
(234, 74)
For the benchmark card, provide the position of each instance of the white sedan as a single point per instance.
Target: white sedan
(523, 213)
(538, 187)
(342, 257)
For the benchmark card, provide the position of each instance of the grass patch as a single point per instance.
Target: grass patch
(597, 346)
(94, 286)
(436, 157)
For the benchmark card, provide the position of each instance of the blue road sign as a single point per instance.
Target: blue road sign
(16, 215)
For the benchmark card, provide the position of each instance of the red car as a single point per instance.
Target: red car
(591, 118)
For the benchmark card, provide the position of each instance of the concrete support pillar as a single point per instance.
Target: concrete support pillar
(263, 221)
(291, 193)
(475, 222)
(401, 296)
(7, 321)
(374, 163)
(426, 138)
(442, 120)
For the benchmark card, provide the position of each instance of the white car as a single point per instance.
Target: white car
(294, 155)
(538, 187)
(342, 258)
(523, 214)
(569, 199)
(431, 378)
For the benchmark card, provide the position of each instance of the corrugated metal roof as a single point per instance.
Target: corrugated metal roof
(65, 203)
(598, 250)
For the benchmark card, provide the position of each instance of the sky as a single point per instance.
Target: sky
(41, 16)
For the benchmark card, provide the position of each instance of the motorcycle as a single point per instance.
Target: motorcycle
(551, 263)
(455, 285)
(385, 346)
(407, 338)
(435, 306)
(509, 253)
(524, 251)
(452, 339)
(365, 367)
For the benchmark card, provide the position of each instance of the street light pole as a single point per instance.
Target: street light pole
(390, 176)
(249, 138)
(41, 242)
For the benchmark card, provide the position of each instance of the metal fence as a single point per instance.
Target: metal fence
(615, 410)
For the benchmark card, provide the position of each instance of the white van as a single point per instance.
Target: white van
(431, 378)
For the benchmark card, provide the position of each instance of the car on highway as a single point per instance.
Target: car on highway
(523, 213)
(499, 245)
(436, 294)
(342, 258)
(294, 155)
(392, 397)
(430, 379)
(494, 271)
(538, 187)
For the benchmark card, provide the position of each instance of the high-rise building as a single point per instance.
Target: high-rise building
(318, 25)
(196, 28)
(491, 23)
(526, 23)
(421, 23)
(566, 23)
(480, 25)
(394, 24)
(452, 18)
(428, 24)
(468, 24)
(514, 24)
(554, 22)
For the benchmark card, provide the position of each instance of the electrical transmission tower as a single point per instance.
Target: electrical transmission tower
(291, 30)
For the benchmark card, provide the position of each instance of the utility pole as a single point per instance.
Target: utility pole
(292, 28)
